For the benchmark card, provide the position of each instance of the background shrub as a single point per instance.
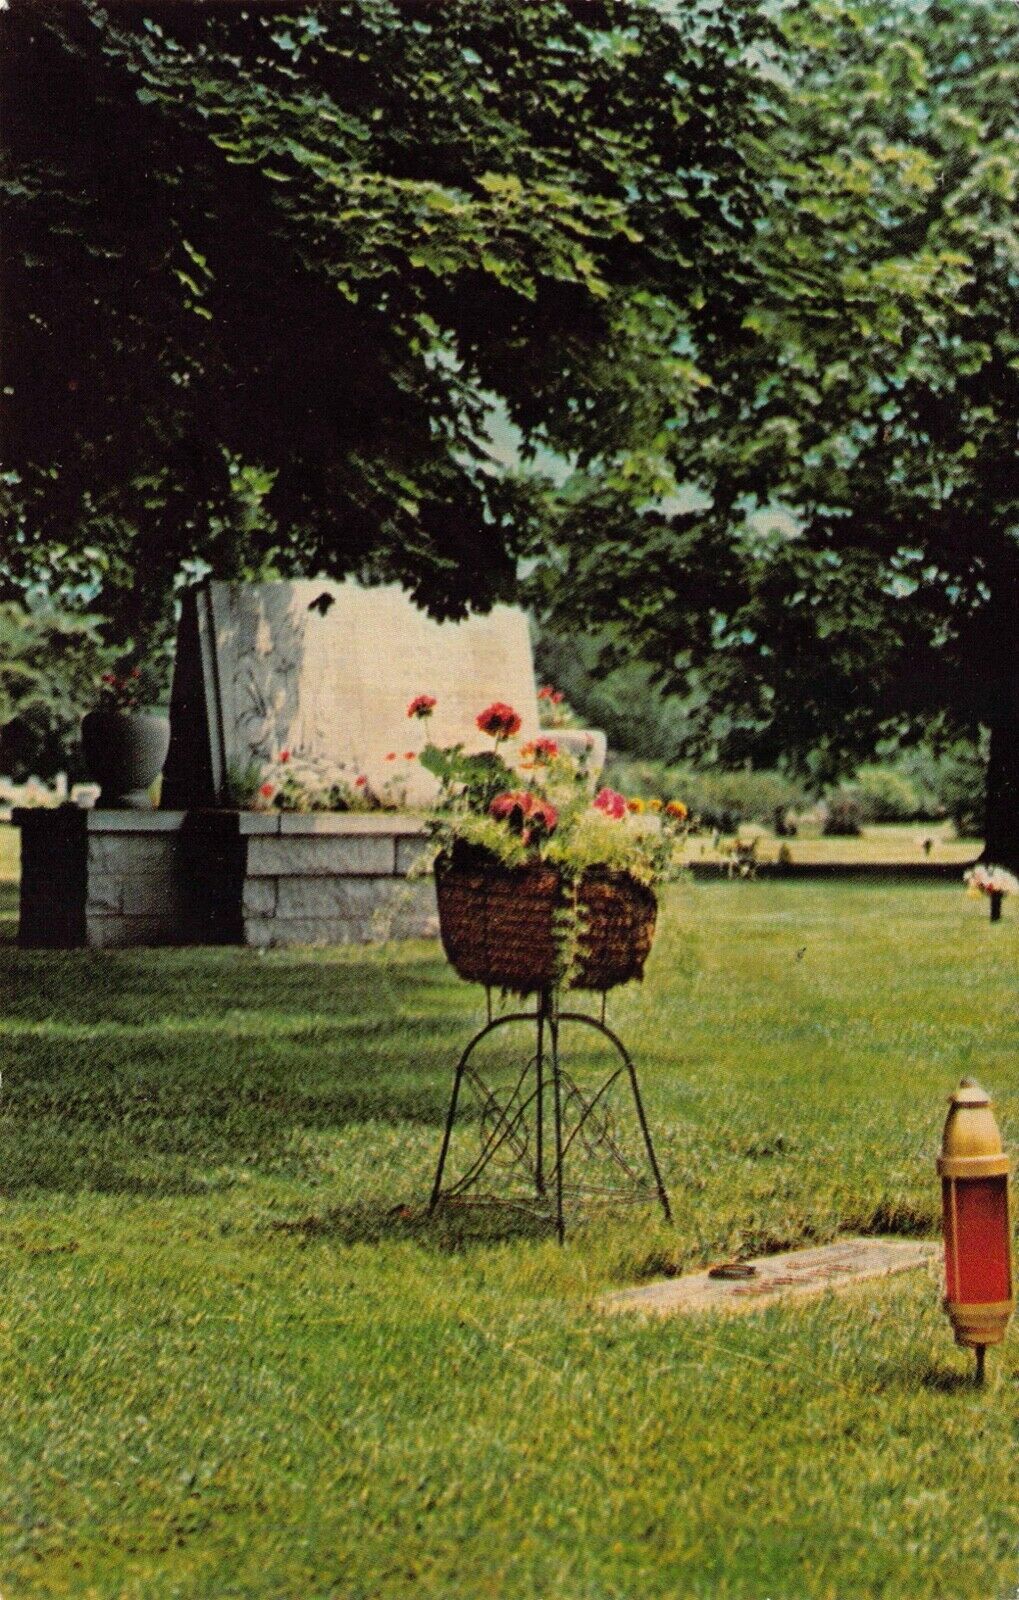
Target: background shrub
(886, 794)
(845, 815)
(719, 800)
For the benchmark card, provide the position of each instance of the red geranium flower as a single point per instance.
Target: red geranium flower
(611, 802)
(543, 819)
(410, 755)
(391, 755)
(268, 790)
(537, 751)
(500, 720)
(546, 692)
(284, 756)
(524, 813)
(421, 706)
(359, 783)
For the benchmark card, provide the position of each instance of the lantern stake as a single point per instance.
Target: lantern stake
(974, 1171)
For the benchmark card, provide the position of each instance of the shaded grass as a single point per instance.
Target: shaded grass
(237, 1360)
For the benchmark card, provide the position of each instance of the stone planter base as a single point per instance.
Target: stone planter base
(106, 879)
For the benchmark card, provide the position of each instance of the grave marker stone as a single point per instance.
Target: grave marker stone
(326, 670)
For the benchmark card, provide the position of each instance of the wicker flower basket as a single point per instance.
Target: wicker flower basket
(498, 926)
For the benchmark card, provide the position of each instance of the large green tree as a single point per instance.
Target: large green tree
(268, 274)
(850, 571)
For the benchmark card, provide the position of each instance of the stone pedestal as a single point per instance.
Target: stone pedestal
(106, 879)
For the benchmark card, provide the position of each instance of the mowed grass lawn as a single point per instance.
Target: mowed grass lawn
(235, 1359)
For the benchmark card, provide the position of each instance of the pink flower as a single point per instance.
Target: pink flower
(500, 720)
(611, 803)
(421, 706)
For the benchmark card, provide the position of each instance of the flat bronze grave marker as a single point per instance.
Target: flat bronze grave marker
(794, 1275)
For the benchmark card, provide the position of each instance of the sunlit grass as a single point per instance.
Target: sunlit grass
(237, 1360)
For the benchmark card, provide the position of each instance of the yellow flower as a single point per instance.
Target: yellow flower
(654, 804)
(676, 808)
(636, 804)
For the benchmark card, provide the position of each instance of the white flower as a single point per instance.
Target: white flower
(986, 879)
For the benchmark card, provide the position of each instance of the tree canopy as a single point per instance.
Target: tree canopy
(850, 571)
(268, 273)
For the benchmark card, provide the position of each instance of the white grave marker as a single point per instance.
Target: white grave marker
(326, 670)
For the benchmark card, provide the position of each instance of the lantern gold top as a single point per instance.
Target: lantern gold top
(971, 1146)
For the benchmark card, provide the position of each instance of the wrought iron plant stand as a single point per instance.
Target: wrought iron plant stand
(514, 1121)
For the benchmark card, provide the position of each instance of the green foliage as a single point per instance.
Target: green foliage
(844, 568)
(241, 785)
(619, 696)
(886, 794)
(715, 799)
(51, 662)
(393, 225)
(956, 777)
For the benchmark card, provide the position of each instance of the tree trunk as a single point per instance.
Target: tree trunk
(1001, 830)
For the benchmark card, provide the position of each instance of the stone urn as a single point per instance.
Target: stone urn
(124, 753)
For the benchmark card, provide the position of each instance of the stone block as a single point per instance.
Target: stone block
(155, 895)
(113, 932)
(259, 898)
(104, 894)
(249, 822)
(265, 933)
(125, 854)
(327, 856)
(408, 851)
(326, 670)
(347, 822)
(329, 897)
(414, 914)
(125, 821)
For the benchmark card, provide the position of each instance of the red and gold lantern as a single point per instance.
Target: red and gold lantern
(974, 1172)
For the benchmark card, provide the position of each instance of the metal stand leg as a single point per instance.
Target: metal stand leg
(614, 1039)
(539, 1107)
(548, 1004)
(505, 1121)
(447, 1134)
(649, 1147)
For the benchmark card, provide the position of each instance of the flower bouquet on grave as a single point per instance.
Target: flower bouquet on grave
(994, 882)
(541, 882)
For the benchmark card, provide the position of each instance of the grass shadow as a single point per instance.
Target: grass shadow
(943, 1380)
(450, 1230)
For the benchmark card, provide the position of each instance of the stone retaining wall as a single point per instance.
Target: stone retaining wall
(115, 878)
